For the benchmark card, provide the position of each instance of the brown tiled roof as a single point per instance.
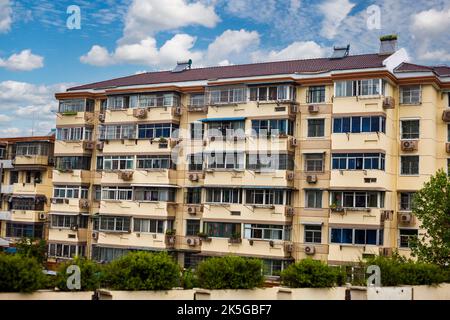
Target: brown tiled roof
(245, 70)
(410, 67)
(27, 139)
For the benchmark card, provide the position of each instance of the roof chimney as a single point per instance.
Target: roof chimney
(182, 65)
(340, 52)
(388, 44)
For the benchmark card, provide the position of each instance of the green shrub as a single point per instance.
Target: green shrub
(309, 273)
(230, 272)
(90, 274)
(142, 271)
(400, 271)
(20, 274)
(189, 279)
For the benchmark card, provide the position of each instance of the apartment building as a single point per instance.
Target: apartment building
(26, 168)
(280, 160)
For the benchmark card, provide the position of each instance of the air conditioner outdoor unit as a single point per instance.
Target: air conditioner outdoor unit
(84, 204)
(74, 227)
(101, 117)
(126, 175)
(294, 109)
(140, 113)
(193, 177)
(289, 247)
(290, 175)
(192, 210)
(191, 242)
(100, 145)
(95, 235)
(446, 115)
(289, 211)
(388, 103)
(310, 250)
(42, 216)
(386, 252)
(405, 217)
(293, 142)
(177, 111)
(311, 178)
(447, 147)
(88, 145)
(313, 108)
(409, 145)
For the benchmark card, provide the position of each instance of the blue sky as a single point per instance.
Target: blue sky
(39, 55)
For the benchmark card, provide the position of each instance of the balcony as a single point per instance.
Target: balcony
(73, 147)
(67, 235)
(370, 104)
(157, 209)
(350, 253)
(67, 205)
(277, 178)
(249, 247)
(76, 176)
(160, 113)
(133, 240)
(138, 145)
(271, 108)
(362, 216)
(361, 179)
(31, 188)
(31, 160)
(245, 212)
(28, 215)
(360, 141)
(150, 176)
(80, 118)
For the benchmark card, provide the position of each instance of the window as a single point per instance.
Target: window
(73, 163)
(365, 87)
(370, 87)
(157, 130)
(267, 197)
(315, 94)
(313, 234)
(195, 162)
(118, 162)
(406, 235)
(410, 129)
(267, 232)
(73, 134)
(410, 95)
(117, 193)
(226, 129)
(273, 268)
(222, 160)
(194, 196)
(316, 127)
(261, 161)
(197, 100)
(76, 105)
(117, 132)
(32, 149)
(154, 194)
(227, 95)
(359, 124)
(223, 195)
(62, 250)
(406, 199)
(357, 199)
(115, 224)
(197, 131)
(155, 162)
(358, 161)
(63, 221)
(314, 162)
(313, 199)
(103, 254)
(24, 230)
(357, 236)
(274, 127)
(272, 93)
(409, 165)
(31, 203)
(97, 192)
(117, 102)
(148, 225)
(151, 101)
(221, 229)
(73, 192)
(192, 227)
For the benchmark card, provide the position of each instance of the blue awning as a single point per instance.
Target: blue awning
(223, 119)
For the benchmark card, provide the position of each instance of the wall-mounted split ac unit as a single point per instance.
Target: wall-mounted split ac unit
(310, 250)
(311, 178)
(42, 216)
(313, 108)
(140, 113)
(404, 217)
(409, 145)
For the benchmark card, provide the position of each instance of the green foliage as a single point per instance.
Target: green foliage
(431, 206)
(230, 272)
(32, 248)
(142, 271)
(398, 270)
(309, 273)
(389, 37)
(189, 279)
(20, 274)
(90, 276)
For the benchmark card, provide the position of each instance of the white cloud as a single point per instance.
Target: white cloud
(146, 17)
(432, 22)
(436, 55)
(334, 11)
(296, 50)
(23, 61)
(97, 56)
(28, 106)
(5, 16)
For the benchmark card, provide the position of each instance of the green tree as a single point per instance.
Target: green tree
(309, 273)
(431, 206)
(230, 272)
(20, 274)
(142, 271)
(33, 248)
(90, 274)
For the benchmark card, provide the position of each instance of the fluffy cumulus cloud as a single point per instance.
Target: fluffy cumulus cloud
(296, 50)
(27, 107)
(5, 16)
(334, 12)
(23, 61)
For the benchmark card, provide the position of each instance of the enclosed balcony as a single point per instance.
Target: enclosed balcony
(32, 153)
(75, 111)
